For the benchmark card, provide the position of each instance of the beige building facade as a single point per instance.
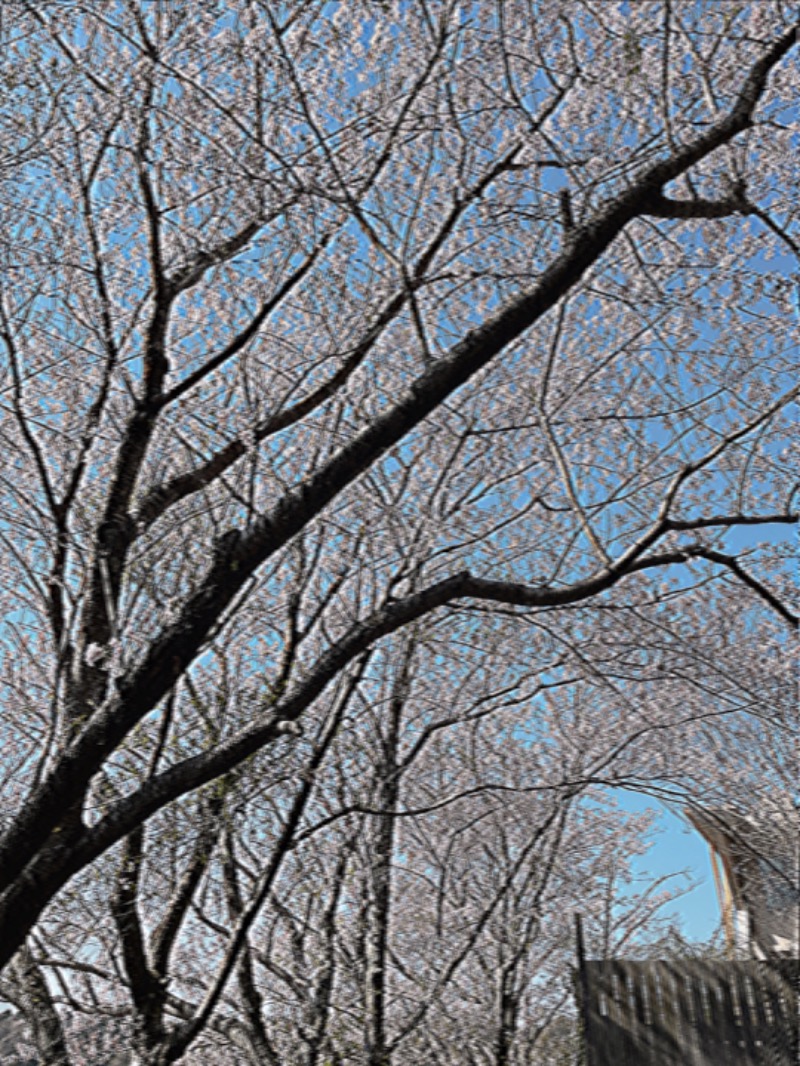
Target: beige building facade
(756, 864)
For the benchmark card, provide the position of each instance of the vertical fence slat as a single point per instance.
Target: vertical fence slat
(702, 1029)
(762, 1041)
(742, 975)
(625, 1035)
(730, 1019)
(669, 1033)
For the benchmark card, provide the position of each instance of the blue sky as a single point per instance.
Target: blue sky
(676, 846)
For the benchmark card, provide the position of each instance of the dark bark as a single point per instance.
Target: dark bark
(320, 1008)
(39, 1010)
(379, 874)
(147, 991)
(506, 1007)
(252, 1000)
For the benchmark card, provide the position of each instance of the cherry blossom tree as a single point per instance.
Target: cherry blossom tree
(328, 324)
(407, 921)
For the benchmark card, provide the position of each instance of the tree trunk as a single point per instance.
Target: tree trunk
(39, 1010)
(380, 873)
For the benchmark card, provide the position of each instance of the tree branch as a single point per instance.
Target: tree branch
(664, 207)
(733, 564)
(39, 1010)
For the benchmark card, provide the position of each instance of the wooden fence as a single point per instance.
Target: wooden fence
(689, 1013)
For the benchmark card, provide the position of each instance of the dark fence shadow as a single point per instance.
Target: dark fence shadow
(689, 1013)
